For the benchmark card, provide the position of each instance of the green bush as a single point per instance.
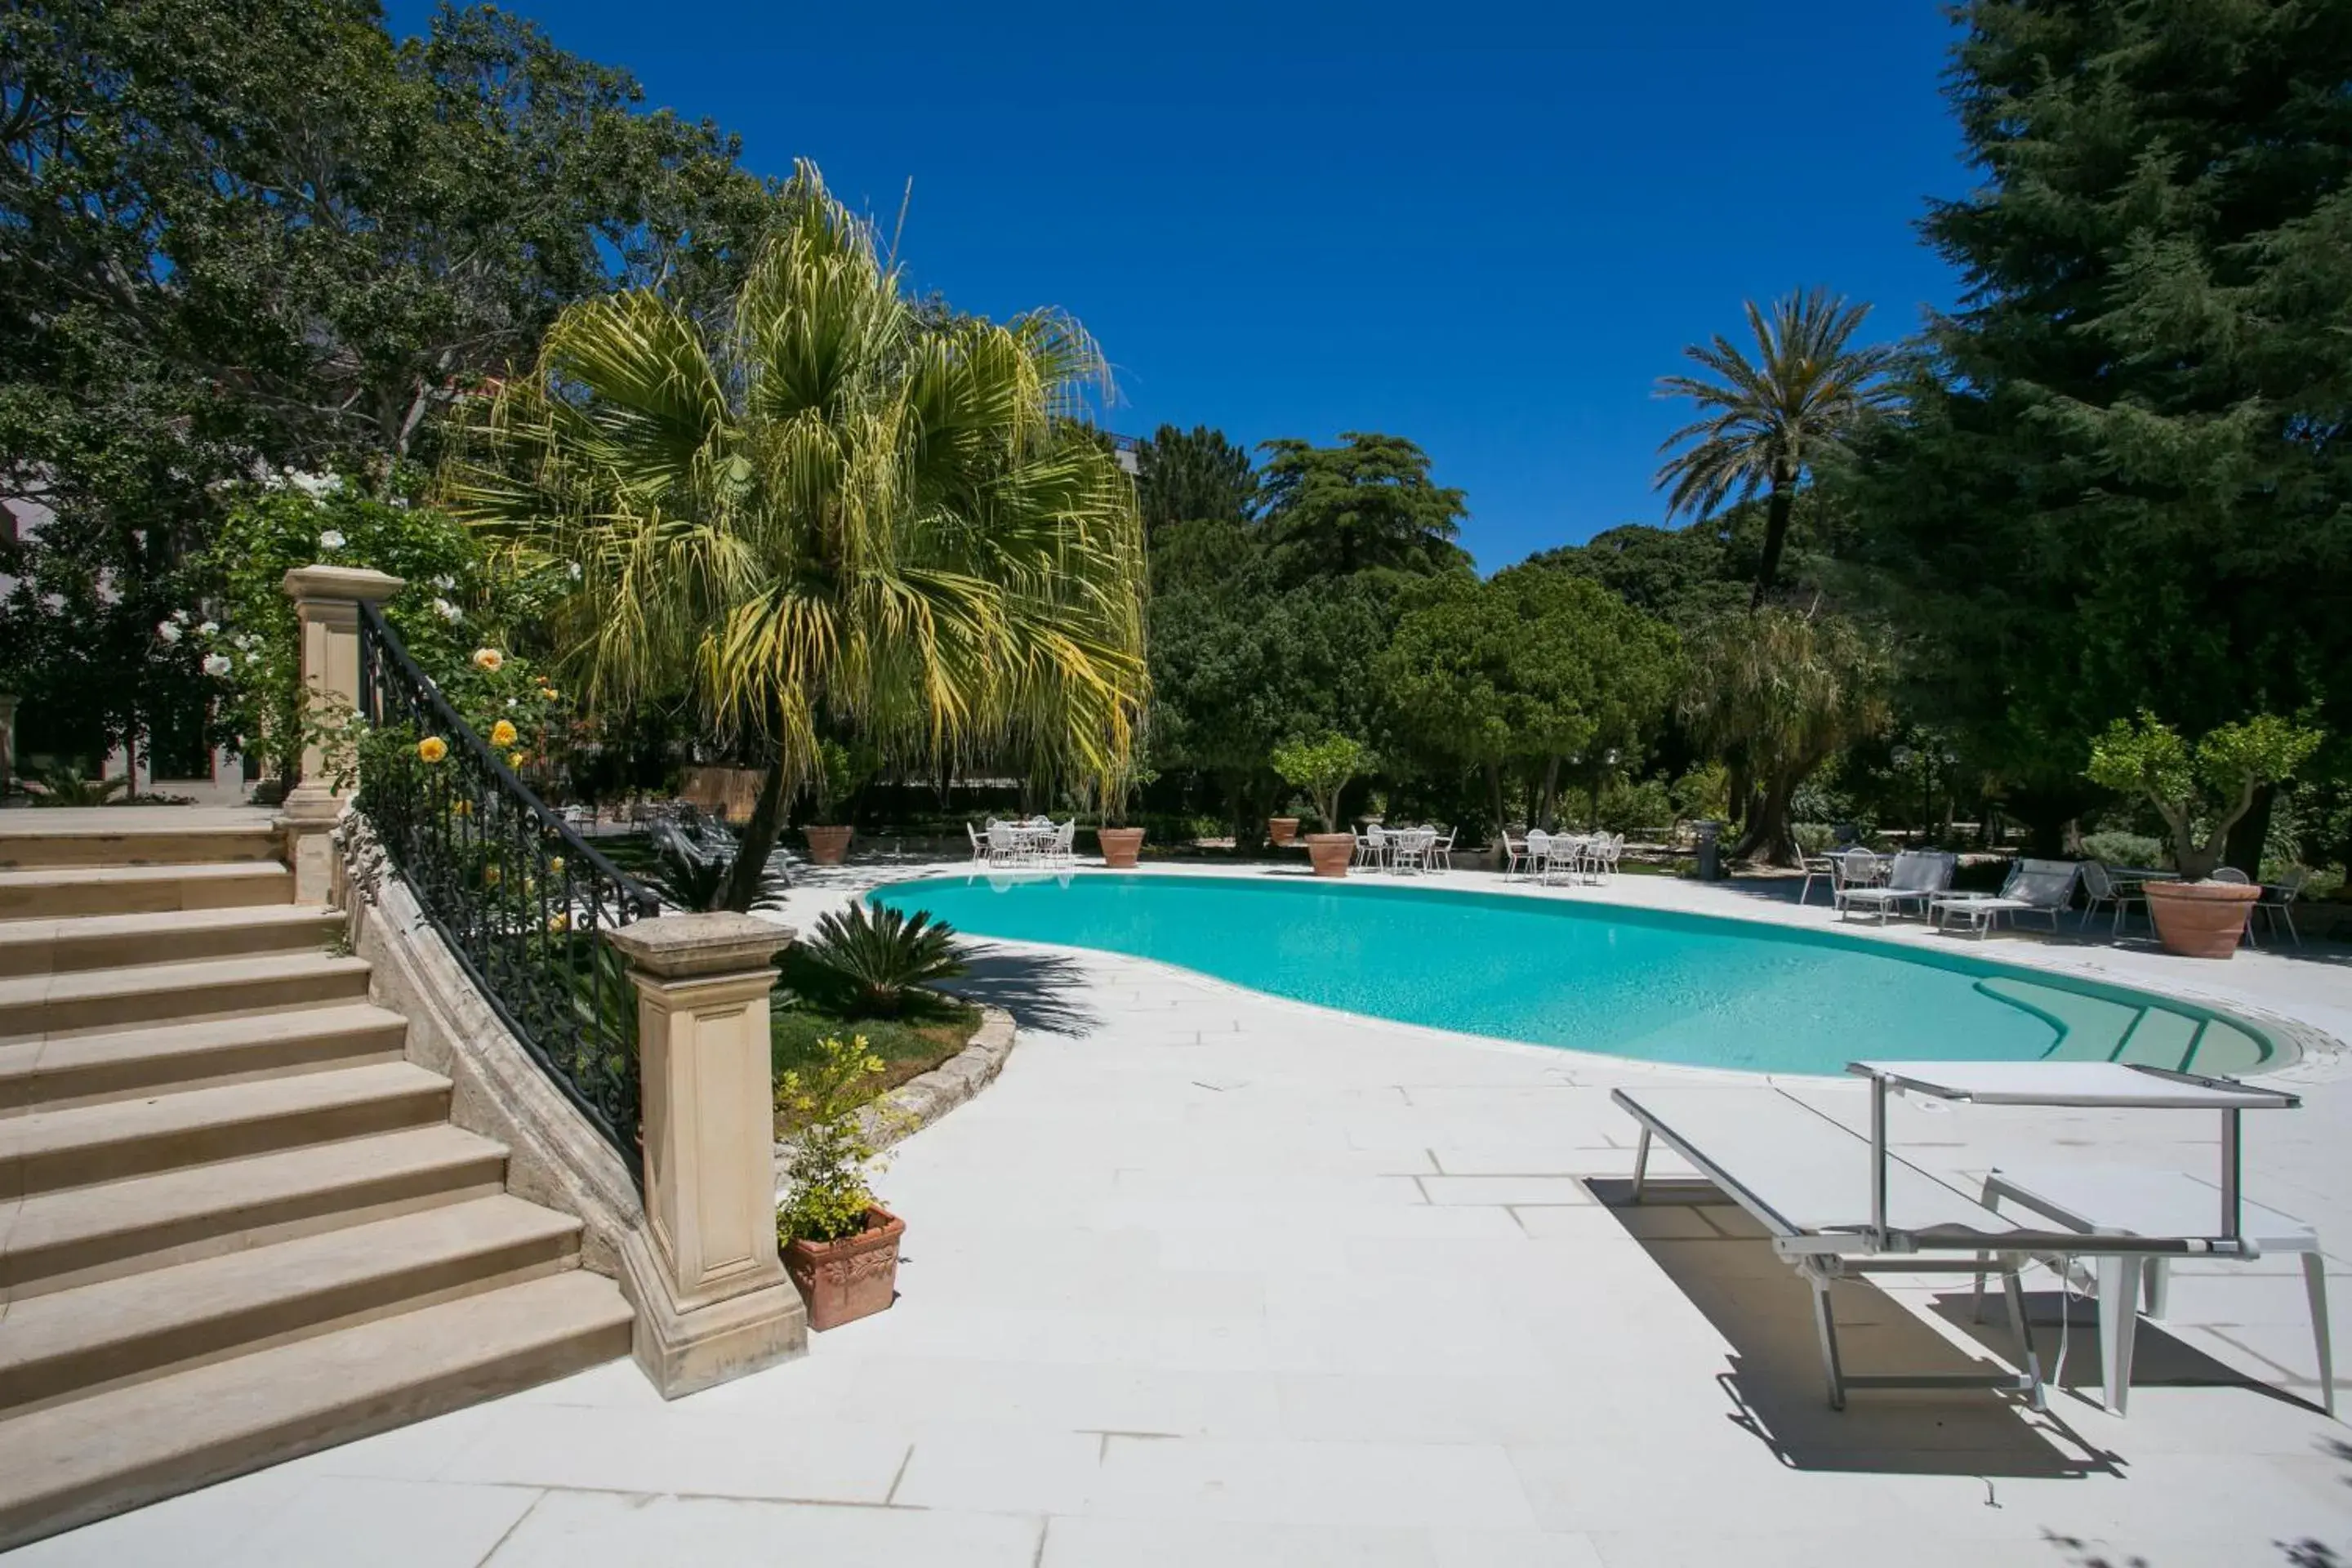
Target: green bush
(1702, 793)
(825, 1194)
(1633, 805)
(1814, 837)
(2119, 848)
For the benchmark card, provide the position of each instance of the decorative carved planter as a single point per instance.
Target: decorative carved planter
(1330, 852)
(1120, 847)
(2201, 920)
(853, 1278)
(1283, 830)
(828, 846)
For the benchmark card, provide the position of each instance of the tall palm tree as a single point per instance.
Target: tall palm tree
(833, 514)
(1767, 420)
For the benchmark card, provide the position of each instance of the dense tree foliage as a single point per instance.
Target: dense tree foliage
(1368, 503)
(1193, 476)
(2121, 481)
(235, 238)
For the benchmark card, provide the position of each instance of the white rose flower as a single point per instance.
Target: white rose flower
(330, 540)
(447, 611)
(54, 601)
(210, 628)
(575, 571)
(252, 658)
(216, 664)
(168, 631)
(445, 581)
(180, 617)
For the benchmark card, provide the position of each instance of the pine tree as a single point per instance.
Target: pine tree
(2122, 480)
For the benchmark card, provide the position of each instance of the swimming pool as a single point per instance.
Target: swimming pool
(1660, 985)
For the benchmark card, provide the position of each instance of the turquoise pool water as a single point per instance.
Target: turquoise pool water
(1661, 986)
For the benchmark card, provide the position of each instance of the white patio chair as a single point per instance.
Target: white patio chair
(1539, 853)
(1819, 868)
(1006, 845)
(1917, 877)
(1854, 868)
(1613, 849)
(2100, 890)
(1066, 844)
(1408, 847)
(2231, 875)
(1372, 846)
(1441, 849)
(1514, 850)
(979, 844)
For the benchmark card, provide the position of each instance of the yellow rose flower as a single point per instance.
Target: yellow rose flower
(559, 920)
(488, 658)
(555, 866)
(517, 759)
(502, 733)
(432, 748)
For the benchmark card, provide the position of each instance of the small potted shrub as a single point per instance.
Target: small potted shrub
(836, 784)
(1283, 830)
(2210, 785)
(1322, 768)
(840, 1246)
(1120, 842)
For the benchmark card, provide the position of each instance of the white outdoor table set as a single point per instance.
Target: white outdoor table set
(1837, 1203)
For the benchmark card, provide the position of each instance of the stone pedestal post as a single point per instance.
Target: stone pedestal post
(7, 740)
(327, 601)
(711, 1292)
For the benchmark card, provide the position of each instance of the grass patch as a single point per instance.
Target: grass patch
(908, 1046)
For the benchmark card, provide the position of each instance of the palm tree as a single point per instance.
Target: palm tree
(1785, 692)
(1768, 420)
(833, 514)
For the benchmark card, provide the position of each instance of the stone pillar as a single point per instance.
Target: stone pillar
(7, 740)
(712, 1299)
(327, 601)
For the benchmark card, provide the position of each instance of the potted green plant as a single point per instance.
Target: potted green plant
(1283, 830)
(1323, 768)
(2210, 785)
(840, 774)
(839, 1245)
(1121, 843)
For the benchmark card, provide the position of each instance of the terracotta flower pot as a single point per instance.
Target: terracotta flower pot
(828, 846)
(1281, 829)
(1120, 847)
(856, 1277)
(1330, 852)
(2201, 920)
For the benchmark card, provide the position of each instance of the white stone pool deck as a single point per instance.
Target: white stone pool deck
(1208, 1277)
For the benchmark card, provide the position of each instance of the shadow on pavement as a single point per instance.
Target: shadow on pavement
(1721, 1260)
(1042, 991)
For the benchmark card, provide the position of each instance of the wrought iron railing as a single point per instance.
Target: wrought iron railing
(522, 899)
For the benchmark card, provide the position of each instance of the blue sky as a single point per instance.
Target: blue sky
(1487, 230)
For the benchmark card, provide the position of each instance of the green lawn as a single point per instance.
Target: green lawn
(907, 1045)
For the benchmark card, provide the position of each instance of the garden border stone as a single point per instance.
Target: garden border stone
(925, 1097)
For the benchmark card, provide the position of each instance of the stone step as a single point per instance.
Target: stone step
(90, 1001)
(79, 1235)
(43, 1151)
(171, 936)
(85, 1070)
(85, 1458)
(115, 836)
(64, 891)
(82, 1340)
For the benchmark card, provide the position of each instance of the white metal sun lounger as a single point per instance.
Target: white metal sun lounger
(1808, 1181)
(2111, 1200)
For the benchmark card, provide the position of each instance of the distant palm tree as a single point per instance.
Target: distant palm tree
(835, 514)
(1768, 419)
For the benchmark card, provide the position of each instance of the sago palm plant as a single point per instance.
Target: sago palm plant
(1766, 421)
(835, 514)
(876, 962)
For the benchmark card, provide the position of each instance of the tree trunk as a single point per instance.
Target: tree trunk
(758, 841)
(1550, 794)
(1735, 794)
(1494, 791)
(1776, 533)
(1769, 838)
(2251, 831)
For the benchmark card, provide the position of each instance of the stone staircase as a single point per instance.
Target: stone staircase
(236, 1224)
